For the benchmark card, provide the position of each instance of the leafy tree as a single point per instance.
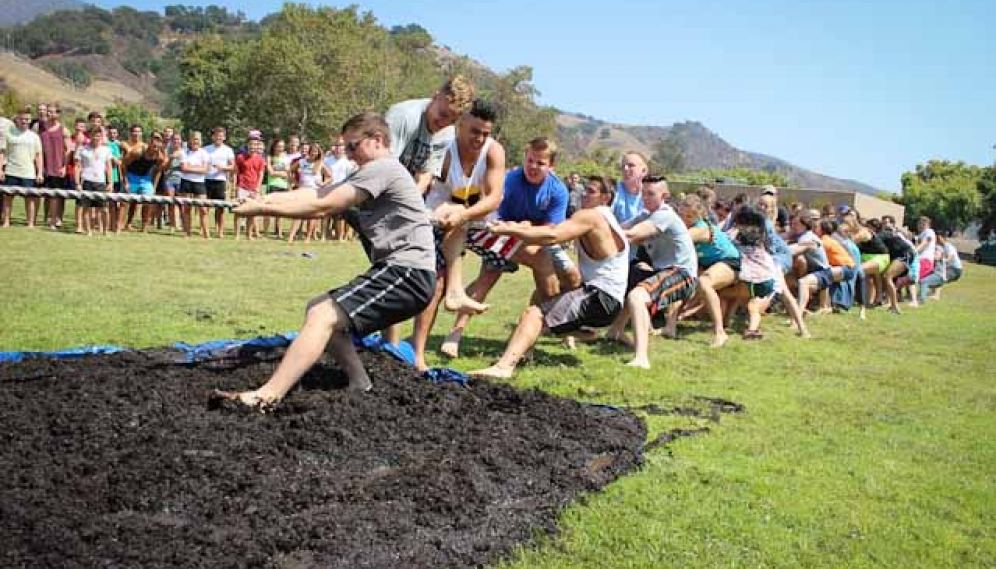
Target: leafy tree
(946, 192)
(124, 116)
(73, 71)
(986, 186)
(212, 73)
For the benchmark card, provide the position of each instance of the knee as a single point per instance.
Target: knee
(323, 311)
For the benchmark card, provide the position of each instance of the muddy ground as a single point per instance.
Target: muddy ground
(116, 461)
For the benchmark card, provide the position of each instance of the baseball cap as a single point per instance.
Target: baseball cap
(769, 189)
(843, 210)
(255, 134)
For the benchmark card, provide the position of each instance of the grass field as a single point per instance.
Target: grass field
(871, 445)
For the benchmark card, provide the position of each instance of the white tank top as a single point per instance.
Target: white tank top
(463, 188)
(307, 177)
(607, 275)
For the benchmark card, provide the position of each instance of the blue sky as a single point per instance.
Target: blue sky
(860, 90)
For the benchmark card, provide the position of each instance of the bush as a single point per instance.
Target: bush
(72, 71)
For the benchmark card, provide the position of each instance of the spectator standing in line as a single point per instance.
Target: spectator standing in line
(309, 172)
(221, 165)
(193, 167)
(55, 149)
(22, 165)
(40, 121)
(143, 165)
(116, 210)
(629, 201)
(782, 218)
(171, 173)
(249, 169)
(341, 169)
(135, 144)
(94, 165)
(278, 178)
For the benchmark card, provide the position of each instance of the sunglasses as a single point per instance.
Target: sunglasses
(353, 144)
(654, 179)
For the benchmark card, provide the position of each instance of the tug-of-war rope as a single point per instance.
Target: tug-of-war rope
(111, 197)
(139, 198)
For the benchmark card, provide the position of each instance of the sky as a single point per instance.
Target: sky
(863, 90)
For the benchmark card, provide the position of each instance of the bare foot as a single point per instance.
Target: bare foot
(804, 334)
(894, 310)
(451, 345)
(719, 340)
(639, 362)
(463, 303)
(494, 371)
(251, 399)
(571, 343)
(361, 385)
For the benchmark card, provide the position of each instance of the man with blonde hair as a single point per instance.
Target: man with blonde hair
(628, 202)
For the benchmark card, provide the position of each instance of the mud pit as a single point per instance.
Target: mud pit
(115, 461)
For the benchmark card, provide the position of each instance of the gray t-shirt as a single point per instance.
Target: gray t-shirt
(412, 143)
(672, 246)
(393, 218)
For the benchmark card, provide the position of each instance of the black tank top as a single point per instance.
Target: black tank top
(142, 166)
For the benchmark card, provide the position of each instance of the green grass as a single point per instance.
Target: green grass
(871, 445)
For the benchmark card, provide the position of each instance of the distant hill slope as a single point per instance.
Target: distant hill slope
(14, 12)
(702, 148)
(35, 84)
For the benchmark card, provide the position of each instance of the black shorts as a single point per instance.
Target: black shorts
(385, 295)
(586, 306)
(665, 287)
(55, 182)
(761, 290)
(732, 263)
(192, 188)
(92, 187)
(215, 189)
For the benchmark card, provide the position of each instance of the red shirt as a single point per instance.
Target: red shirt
(249, 170)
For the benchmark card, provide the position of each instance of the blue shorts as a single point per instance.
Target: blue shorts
(140, 185)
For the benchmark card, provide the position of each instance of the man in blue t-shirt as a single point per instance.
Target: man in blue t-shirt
(534, 195)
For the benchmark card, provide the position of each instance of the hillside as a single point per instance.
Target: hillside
(14, 12)
(127, 56)
(701, 149)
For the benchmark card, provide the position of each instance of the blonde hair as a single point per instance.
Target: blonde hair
(694, 203)
(459, 93)
(770, 201)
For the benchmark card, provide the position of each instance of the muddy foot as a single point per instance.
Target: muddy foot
(231, 400)
(361, 385)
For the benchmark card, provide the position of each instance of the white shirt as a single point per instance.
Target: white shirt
(93, 163)
(221, 156)
(194, 158)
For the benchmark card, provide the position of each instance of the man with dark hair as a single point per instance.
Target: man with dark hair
(469, 188)
(397, 286)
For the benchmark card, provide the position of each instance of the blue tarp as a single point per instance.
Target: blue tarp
(221, 348)
(70, 353)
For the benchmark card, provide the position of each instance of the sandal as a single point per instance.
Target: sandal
(753, 335)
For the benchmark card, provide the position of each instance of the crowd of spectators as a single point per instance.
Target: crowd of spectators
(37, 150)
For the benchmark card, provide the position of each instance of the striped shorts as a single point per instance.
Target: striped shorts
(666, 287)
(385, 295)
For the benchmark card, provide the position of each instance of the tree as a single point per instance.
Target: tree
(987, 201)
(124, 116)
(212, 76)
(519, 119)
(946, 192)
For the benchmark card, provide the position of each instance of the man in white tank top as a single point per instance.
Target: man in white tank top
(603, 258)
(470, 189)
